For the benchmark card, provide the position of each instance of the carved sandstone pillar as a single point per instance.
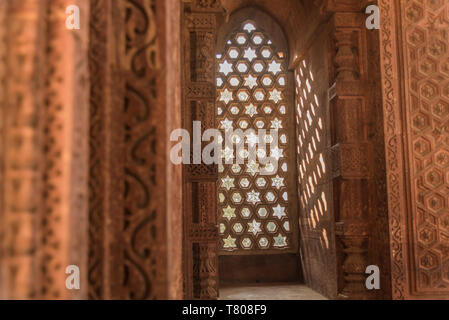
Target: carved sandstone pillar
(199, 180)
(135, 199)
(44, 117)
(352, 150)
(22, 103)
(3, 56)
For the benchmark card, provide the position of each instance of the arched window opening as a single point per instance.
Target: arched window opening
(254, 211)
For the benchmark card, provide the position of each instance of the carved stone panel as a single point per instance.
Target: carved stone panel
(416, 144)
(135, 203)
(199, 190)
(360, 212)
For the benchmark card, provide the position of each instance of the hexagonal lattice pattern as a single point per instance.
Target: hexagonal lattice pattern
(251, 79)
(426, 128)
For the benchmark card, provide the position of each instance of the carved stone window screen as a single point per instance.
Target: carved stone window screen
(254, 211)
(314, 172)
(311, 162)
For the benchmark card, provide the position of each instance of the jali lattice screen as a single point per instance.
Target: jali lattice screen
(252, 81)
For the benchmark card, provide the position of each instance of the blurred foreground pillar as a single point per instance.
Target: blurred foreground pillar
(44, 154)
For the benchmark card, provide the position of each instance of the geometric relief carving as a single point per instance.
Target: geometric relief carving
(207, 5)
(202, 111)
(197, 172)
(421, 215)
(202, 58)
(199, 190)
(427, 128)
(254, 211)
(205, 272)
(201, 237)
(202, 212)
(201, 90)
(200, 21)
(352, 160)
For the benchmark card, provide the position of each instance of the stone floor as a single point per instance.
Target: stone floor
(270, 292)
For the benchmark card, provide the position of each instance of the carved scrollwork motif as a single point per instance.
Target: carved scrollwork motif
(141, 37)
(140, 216)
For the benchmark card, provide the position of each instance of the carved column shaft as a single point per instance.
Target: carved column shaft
(3, 60)
(134, 187)
(44, 189)
(200, 216)
(21, 155)
(352, 151)
(134, 200)
(64, 223)
(345, 58)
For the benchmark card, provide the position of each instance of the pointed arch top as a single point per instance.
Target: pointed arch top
(264, 22)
